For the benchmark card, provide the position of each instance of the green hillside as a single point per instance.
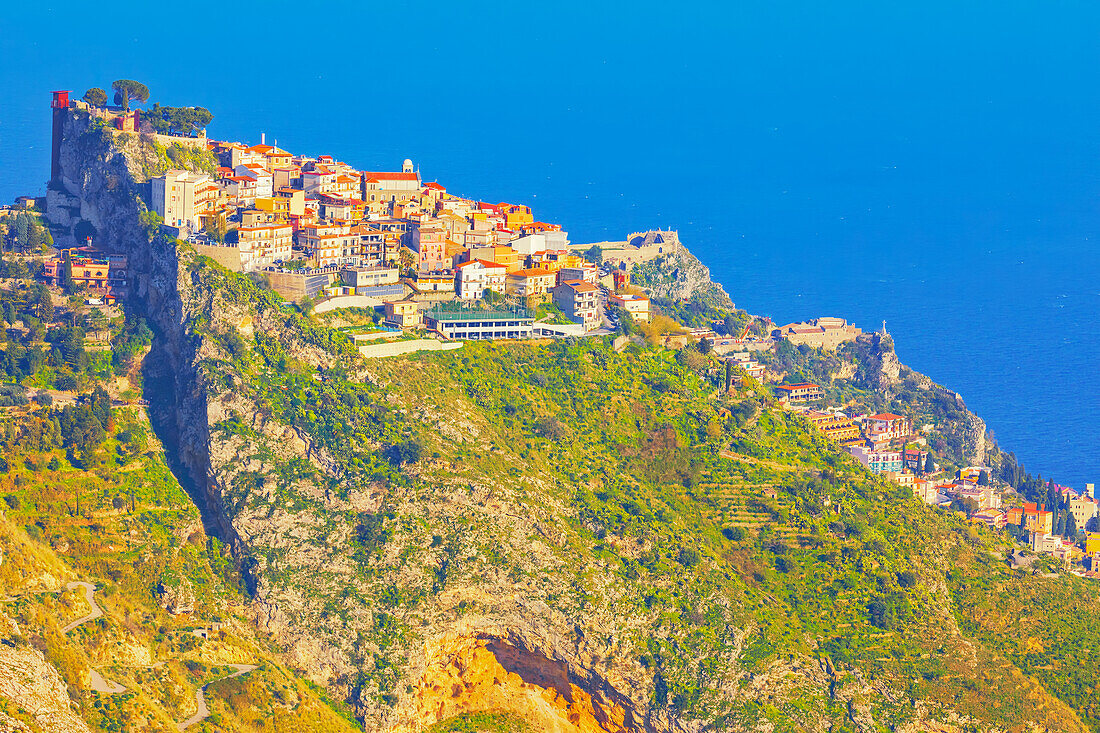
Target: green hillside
(499, 536)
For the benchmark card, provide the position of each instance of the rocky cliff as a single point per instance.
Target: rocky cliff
(878, 368)
(680, 276)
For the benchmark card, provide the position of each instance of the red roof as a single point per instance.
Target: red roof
(434, 186)
(484, 263)
(804, 385)
(886, 416)
(394, 176)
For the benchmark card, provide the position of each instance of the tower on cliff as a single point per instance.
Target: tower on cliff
(59, 104)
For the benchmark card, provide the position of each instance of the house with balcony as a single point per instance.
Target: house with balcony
(803, 392)
(580, 301)
(530, 283)
(473, 278)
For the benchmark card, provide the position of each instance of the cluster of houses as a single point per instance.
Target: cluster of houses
(880, 442)
(318, 226)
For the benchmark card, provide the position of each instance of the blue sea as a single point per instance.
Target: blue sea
(932, 165)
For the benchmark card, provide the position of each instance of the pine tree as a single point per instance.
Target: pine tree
(1071, 525)
(929, 464)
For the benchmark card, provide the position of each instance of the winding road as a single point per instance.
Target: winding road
(89, 593)
(200, 698)
(95, 679)
(113, 688)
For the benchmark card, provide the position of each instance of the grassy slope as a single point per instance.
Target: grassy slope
(131, 555)
(642, 462)
(724, 543)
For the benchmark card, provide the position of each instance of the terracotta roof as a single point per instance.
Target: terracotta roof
(390, 176)
(532, 273)
(886, 416)
(485, 264)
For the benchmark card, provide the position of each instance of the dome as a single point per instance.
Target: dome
(407, 166)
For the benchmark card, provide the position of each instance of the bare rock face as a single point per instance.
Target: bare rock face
(32, 683)
(679, 275)
(880, 368)
(177, 598)
(468, 673)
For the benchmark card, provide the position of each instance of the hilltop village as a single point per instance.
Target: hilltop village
(434, 269)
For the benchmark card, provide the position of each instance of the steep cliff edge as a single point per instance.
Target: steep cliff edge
(680, 276)
(103, 184)
(595, 540)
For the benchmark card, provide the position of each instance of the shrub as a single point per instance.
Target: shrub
(66, 383)
(688, 557)
(734, 534)
(408, 451)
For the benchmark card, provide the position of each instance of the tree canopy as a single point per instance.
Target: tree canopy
(96, 97)
(128, 90)
(23, 233)
(183, 121)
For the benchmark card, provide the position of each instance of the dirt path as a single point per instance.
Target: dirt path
(89, 593)
(200, 698)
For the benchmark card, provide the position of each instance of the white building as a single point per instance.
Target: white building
(473, 278)
(265, 182)
(264, 244)
(636, 305)
(540, 242)
(182, 198)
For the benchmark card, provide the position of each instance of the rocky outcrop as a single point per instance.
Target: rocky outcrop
(876, 367)
(680, 276)
(879, 368)
(32, 683)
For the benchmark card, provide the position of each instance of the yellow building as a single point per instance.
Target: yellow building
(528, 283)
(835, 427)
(1092, 543)
(501, 254)
(403, 314)
(514, 220)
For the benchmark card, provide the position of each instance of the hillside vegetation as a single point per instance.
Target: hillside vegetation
(669, 554)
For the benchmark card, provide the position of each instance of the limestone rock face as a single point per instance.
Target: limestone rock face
(28, 680)
(177, 598)
(679, 275)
